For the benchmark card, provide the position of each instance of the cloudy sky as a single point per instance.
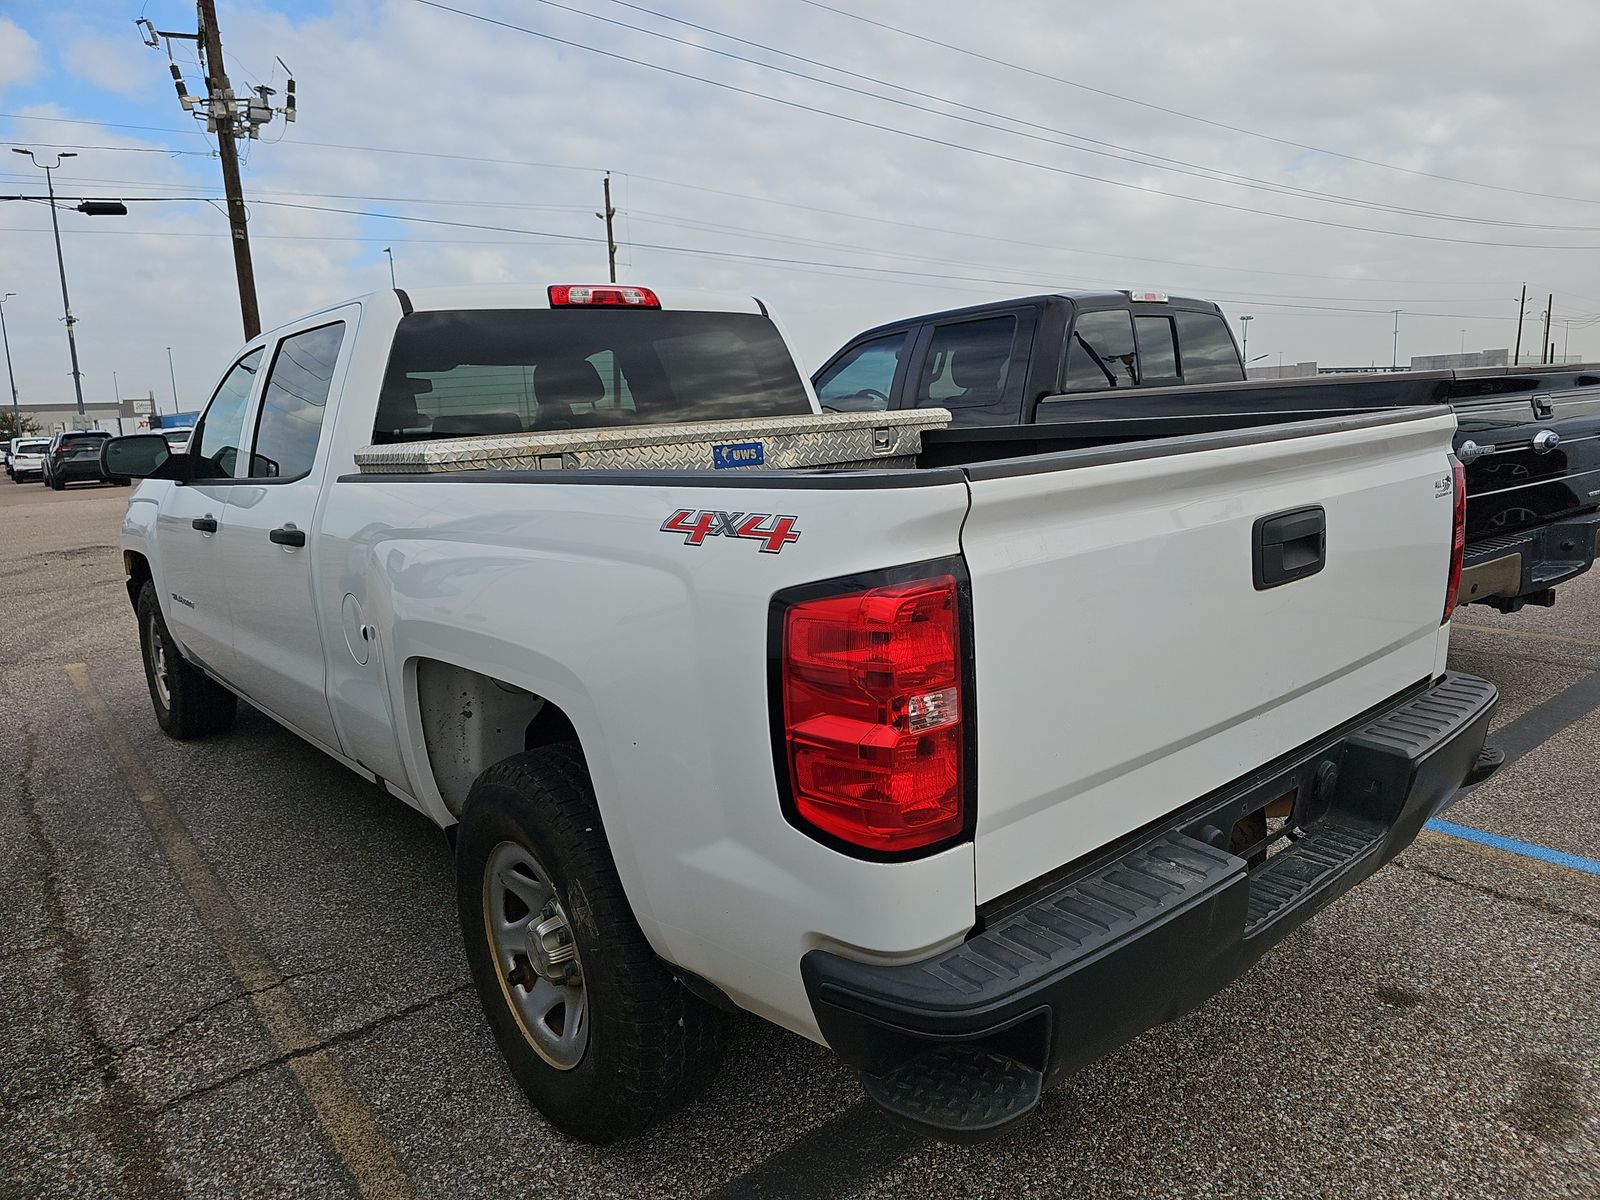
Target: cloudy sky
(850, 162)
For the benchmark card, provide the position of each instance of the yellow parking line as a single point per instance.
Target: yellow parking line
(345, 1118)
(1537, 635)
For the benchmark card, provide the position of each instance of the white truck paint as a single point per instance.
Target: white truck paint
(1124, 666)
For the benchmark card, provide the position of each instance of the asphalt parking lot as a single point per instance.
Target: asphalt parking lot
(232, 969)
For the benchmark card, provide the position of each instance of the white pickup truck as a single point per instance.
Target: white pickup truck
(972, 763)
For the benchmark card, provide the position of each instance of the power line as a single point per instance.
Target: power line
(1188, 116)
(988, 154)
(514, 162)
(1114, 150)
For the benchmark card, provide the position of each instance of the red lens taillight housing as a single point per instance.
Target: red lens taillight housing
(1458, 538)
(873, 732)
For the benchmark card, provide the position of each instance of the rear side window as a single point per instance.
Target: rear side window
(292, 406)
(215, 445)
(1158, 356)
(863, 379)
(1206, 350)
(968, 364)
(1100, 352)
(467, 372)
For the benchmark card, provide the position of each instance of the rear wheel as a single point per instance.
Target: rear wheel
(600, 1036)
(187, 704)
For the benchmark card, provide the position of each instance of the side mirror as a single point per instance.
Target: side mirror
(140, 456)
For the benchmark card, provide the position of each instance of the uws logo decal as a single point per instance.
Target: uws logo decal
(773, 531)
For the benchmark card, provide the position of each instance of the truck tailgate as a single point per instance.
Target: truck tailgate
(1126, 662)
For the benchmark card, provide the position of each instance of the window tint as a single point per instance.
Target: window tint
(1100, 352)
(459, 373)
(215, 445)
(292, 406)
(1158, 358)
(967, 364)
(862, 380)
(1206, 349)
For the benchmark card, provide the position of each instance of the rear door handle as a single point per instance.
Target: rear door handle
(1288, 546)
(205, 524)
(287, 535)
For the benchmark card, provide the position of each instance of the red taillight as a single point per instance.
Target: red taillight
(1458, 538)
(601, 295)
(872, 715)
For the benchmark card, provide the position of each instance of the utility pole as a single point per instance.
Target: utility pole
(390, 252)
(230, 118)
(61, 264)
(1244, 324)
(1566, 346)
(1394, 356)
(1522, 310)
(172, 375)
(1547, 349)
(222, 117)
(611, 240)
(16, 408)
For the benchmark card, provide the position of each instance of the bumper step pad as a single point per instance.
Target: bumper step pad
(959, 1092)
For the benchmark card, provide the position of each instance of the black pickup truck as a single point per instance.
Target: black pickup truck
(1080, 364)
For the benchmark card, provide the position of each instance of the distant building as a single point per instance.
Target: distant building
(1284, 371)
(1421, 362)
(126, 416)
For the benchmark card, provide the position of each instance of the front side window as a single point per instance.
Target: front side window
(293, 404)
(488, 371)
(1205, 349)
(1100, 352)
(863, 379)
(968, 364)
(215, 446)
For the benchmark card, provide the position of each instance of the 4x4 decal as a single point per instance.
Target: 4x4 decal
(774, 531)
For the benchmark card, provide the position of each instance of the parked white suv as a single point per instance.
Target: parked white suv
(27, 457)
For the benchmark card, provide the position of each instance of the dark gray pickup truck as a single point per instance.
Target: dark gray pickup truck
(1054, 369)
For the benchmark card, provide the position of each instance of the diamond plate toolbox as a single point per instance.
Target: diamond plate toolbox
(825, 440)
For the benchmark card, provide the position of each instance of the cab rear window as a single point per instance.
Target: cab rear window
(467, 372)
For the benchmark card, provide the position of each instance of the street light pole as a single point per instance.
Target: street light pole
(390, 253)
(16, 408)
(1244, 323)
(61, 265)
(1394, 357)
(172, 375)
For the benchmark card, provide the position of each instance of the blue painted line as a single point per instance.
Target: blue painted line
(1560, 858)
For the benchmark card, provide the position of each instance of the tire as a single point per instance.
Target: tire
(647, 1044)
(56, 485)
(120, 481)
(187, 704)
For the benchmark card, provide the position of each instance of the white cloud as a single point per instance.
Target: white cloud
(114, 64)
(1420, 86)
(19, 54)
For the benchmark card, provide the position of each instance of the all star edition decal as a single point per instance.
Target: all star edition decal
(773, 530)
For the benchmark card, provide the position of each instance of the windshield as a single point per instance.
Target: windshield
(83, 439)
(32, 447)
(456, 374)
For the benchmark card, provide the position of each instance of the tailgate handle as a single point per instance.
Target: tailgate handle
(1288, 546)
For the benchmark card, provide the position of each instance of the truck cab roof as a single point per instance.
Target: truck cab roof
(1068, 299)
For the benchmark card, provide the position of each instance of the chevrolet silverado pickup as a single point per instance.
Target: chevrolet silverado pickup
(970, 765)
(1529, 436)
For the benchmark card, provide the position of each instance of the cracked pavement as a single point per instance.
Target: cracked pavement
(1434, 1034)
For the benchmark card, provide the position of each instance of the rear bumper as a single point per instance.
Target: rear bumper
(1514, 566)
(72, 469)
(961, 1044)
